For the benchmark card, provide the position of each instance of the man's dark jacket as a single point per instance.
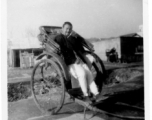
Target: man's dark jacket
(71, 46)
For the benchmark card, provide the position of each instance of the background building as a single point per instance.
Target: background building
(22, 53)
(129, 47)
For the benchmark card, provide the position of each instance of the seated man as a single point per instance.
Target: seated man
(70, 46)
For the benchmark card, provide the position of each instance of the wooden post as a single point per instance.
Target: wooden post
(14, 60)
(20, 58)
(32, 57)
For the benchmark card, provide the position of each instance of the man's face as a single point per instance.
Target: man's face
(67, 29)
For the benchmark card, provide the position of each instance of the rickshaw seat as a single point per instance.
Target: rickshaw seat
(47, 35)
(50, 29)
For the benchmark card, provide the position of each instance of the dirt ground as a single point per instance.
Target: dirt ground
(116, 74)
(18, 72)
(21, 90)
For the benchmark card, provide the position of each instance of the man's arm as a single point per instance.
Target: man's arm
(82, 41)
(86, 44)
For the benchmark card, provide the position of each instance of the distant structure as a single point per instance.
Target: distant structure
(129, 47)
(140, 30)
(22, 52)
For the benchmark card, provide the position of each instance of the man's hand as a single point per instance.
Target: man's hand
(92, 50)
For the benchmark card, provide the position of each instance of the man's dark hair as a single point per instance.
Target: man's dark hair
(67, 23)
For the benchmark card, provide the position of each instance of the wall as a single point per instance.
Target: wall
(27, 60)
(24, 58)
(101, 47)
(132, 48)
(127, 48)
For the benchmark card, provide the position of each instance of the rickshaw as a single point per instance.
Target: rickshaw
(51, 83)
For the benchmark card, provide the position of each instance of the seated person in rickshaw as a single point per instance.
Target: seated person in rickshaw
(71, 45)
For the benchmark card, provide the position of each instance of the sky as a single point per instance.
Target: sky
(90, 18)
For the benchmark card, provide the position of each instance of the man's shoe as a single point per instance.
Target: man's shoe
(97, 98)
(87, 99)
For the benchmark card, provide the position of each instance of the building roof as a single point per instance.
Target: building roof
(25, 43)
(139, 34)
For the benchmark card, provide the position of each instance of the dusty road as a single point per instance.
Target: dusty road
(26, 109)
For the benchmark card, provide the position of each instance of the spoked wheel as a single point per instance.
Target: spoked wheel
(47, 86)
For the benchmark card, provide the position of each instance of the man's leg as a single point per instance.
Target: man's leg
(78, 72)
(91, 83)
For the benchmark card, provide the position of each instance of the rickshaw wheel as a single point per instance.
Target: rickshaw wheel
(47, 86)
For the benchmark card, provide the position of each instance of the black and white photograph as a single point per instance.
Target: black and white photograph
(75, 60)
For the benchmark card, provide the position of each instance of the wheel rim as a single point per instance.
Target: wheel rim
(48, 87)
